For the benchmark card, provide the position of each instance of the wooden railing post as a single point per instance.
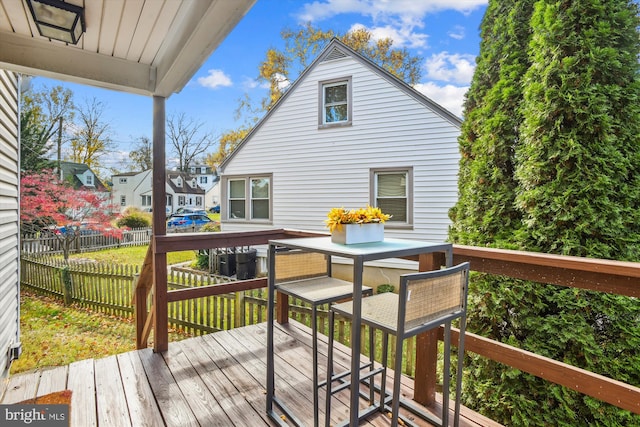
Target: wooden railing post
(427, 346)
(239, 311)
(282, 308)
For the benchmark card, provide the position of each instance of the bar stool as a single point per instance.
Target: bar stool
(307, 276)
(425, 301)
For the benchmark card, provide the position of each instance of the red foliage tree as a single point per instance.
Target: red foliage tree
(49, 205)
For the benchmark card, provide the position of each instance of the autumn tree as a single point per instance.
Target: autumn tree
(43, 114)
(188, 139)
(91, 139)
(227, 143)
(142, 153)
(550, 163)
(281, 67)
(47, 203)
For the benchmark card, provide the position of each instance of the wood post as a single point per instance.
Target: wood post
(427, 345)
(159, 192)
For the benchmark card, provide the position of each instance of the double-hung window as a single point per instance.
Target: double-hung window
(249, 198)
(392, 192)
(335, 102)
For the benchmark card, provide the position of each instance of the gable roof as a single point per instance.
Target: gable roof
(71, 170)
(336, 50)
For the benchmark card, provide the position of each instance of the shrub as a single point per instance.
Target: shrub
(210, 227)
(387, 287)
(134, 218)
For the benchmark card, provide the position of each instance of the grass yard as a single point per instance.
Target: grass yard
(133, 255)
(54, 335)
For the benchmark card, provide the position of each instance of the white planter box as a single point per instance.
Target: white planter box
(352, 234)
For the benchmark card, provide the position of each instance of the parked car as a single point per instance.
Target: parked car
(215, 209)
(188, 221)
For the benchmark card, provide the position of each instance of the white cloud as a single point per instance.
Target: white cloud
(455, 68)
(401, 36)
(449, 96)
(215, 79)
(399, 20)
(248, 83)
(405, 10)
(456, 32)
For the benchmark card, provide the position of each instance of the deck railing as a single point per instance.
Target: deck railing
(621, 278)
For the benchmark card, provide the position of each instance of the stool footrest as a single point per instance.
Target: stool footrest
(286, 412)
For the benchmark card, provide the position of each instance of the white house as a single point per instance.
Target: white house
(346, 134)
(208, 179)
(10, 346)
(134, 189)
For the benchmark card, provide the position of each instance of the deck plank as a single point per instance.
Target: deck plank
(21, 387)
(52, 380)
(227, 395)
(298, 392)
(216, 379)
(143, 409)
(203, 404)
(173, 406)
(110, 398)
(82, 384)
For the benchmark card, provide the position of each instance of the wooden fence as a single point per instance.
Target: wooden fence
(52, 243)
(108, 288)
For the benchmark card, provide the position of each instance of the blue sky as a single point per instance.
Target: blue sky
(444, 33)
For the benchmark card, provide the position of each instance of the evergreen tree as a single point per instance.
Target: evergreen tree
(550, 163)
(485, 212)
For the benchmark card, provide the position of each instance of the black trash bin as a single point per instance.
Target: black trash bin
(227, 264)
(246, 264)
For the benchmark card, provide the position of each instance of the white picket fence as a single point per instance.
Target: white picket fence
(52, 244)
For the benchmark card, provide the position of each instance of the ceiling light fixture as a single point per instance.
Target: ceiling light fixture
(58, 20)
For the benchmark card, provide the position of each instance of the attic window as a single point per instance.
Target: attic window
(335, 102)
(179, 182)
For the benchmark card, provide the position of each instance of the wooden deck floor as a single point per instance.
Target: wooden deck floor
(213, 380)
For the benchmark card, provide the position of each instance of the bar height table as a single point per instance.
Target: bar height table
(359, 254)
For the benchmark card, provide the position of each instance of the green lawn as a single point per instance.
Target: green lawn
(53, 335)
(134, 255)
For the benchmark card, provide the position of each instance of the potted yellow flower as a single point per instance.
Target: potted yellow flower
(353, 226)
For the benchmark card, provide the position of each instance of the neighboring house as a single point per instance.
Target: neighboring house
(346, 134)
(9, 221)
(134, 189)
(81, 175)
(207, 179)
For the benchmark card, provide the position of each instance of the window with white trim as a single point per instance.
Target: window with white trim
(392, 193)
(181, 200)
(123, 200)
(335, 102)
(122, 180)
(89, 180)
(146, 200)
(203, 180)
(249, 198)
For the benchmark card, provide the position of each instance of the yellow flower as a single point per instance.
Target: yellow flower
(338, 216)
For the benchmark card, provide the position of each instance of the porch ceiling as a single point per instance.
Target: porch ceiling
(148, 47)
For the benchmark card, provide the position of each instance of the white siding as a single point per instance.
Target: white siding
(316, 169)
(9, 226)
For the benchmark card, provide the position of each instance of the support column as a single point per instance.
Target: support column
(427, 346)
(159, 197)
